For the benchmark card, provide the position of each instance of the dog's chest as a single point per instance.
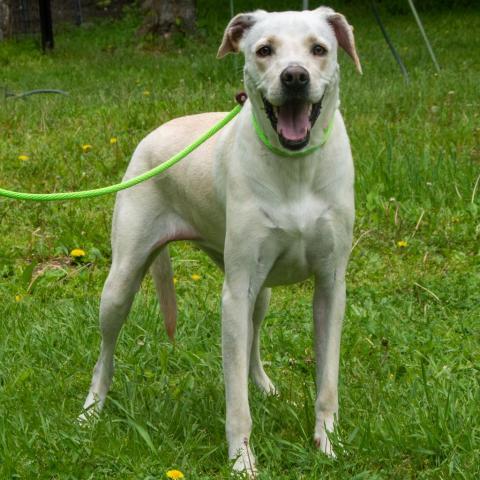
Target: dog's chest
(301, 235)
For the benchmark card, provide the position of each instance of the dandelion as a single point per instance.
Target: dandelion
(175, 474)
(113, 140)
(86, 147)
(402, 244)
(18, 298)
(77, 253)
(146, 93)
(23, 158)
(195, 277)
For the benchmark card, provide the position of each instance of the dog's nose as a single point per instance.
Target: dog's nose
(295, 77)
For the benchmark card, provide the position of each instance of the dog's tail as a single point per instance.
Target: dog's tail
(162, 273)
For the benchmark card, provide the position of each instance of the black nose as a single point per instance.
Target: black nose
(295, 77)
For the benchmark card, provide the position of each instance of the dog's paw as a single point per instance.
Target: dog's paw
(244, 465)
(87, 417)
(264, 384)
(322, 442)
(91, 411)
(324, 429)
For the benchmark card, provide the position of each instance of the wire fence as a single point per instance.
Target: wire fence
(21, 17)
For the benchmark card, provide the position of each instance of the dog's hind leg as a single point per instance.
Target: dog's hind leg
(138, 235)
(119, 290)
(257, 373)
(162, 273)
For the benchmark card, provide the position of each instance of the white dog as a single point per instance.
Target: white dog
(269, 199)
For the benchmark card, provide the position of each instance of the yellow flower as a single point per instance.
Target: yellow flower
(113, 140)
(77, 253)
(402, 243)
(146, 93)
(175, 474)
(23, 157)
(86, 147)
(18, 298)
(195, 277)
(175, 280)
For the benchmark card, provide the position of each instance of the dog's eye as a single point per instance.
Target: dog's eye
(319, 50)
(264, 51)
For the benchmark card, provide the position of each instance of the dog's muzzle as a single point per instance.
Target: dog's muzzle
(295, 117)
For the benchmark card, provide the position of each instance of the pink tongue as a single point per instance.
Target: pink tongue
(293, 120)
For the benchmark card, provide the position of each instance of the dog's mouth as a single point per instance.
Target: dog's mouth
(293, 121)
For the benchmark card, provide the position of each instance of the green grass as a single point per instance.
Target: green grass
(409, 386)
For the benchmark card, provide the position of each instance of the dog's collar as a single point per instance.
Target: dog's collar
(285, 153)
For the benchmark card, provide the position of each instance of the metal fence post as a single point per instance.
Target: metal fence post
(46, 26)
(424, 35)
(78, 12)
(389, 41)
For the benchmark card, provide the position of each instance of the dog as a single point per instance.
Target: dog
(269, 199)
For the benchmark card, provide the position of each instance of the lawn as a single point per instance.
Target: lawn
(410, 366)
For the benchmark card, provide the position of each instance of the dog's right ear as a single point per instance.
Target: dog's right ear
(236, 30)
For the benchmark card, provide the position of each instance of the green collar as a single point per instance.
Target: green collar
(285, 153)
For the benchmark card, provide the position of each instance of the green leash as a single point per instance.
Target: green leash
(50, 197)
(285, 153)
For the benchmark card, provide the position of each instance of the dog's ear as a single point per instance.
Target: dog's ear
(236, 30)
(344, 33)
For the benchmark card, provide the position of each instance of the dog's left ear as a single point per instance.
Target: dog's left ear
(344, 33)
(236, 30)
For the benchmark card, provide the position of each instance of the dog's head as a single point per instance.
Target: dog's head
(290, 64)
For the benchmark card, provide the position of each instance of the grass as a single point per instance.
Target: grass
(409, 387)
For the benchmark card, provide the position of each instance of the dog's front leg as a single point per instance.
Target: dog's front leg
(328, 311)
(238, 300)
